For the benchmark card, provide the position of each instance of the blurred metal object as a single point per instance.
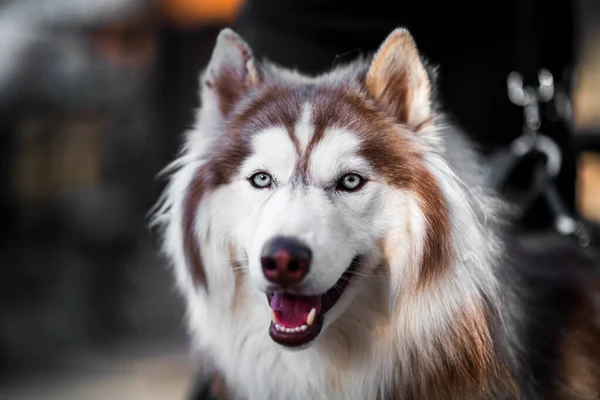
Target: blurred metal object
(516, 91)
(538, 142)
(529, 97)
(532, 143)
(546, 87)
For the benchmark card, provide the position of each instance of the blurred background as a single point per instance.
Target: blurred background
(94, 97)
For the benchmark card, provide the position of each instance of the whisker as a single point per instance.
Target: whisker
(338, 289)
(371, 280)
(367, 275)
(244, 277)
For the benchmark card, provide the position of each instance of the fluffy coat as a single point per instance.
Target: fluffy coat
(437, 308)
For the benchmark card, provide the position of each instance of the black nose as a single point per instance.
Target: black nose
(285, 260)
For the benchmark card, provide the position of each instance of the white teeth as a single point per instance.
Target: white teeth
(311, 317)
(280, 328)
(273, 317)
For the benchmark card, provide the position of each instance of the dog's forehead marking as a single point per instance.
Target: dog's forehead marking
(315, 143)
(305, 129)
(298, 149)
(273, 143)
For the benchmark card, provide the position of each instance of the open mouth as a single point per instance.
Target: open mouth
(297, 319)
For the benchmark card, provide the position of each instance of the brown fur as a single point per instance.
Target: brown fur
(466, 364)
(438, 252)
(196, 192)
(229, 88)
(580, 355)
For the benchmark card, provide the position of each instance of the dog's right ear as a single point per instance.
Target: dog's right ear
(230, 73)
(397, 78)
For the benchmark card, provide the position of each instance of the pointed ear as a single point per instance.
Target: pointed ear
(398, 79)
(230, 73)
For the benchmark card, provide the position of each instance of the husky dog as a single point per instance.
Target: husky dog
(333, 239)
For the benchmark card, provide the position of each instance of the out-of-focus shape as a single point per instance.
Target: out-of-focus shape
(45, 46)
(198, 12)
(588, 188)
(587, 95)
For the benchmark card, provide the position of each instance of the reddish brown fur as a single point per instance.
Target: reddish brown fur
(580, 363)
(229, 90)
(197, 190)
(438, 252)
(466, 365)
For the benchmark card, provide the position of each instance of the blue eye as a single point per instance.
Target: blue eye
(350, 182)
(261, 180)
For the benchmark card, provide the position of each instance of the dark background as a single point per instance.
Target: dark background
(93, 101)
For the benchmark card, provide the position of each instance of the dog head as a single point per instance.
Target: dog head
(293, 189)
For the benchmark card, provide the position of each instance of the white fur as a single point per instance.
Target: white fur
(272, 151)
(380, 319)
(304, 129)
(335, 154)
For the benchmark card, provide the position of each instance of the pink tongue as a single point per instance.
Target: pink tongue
(293, 310)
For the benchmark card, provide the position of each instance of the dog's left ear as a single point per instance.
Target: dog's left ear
(230, 73)
(398, 79)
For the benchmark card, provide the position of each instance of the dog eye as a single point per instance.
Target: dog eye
(260, 180)
(350, 182)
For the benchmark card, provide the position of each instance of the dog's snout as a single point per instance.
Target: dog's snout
(285, 261)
